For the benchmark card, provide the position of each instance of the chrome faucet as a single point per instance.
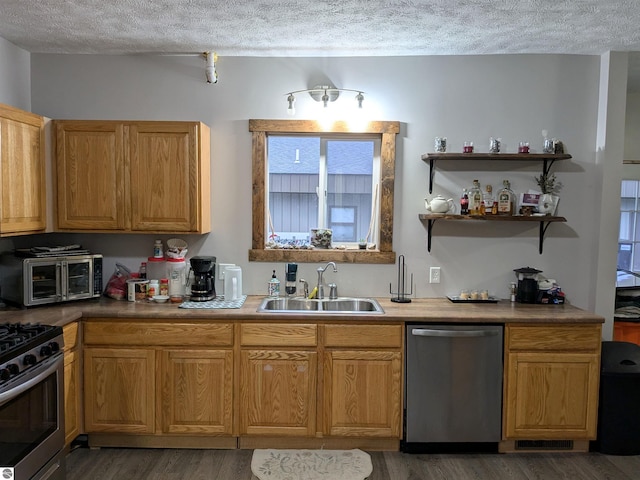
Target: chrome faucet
(305, 289)
(321, 270)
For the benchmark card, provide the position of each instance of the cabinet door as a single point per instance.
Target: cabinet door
(90, 166)
(551, 396)
(362, 393)
(278, 392)
(119, 390)
(197, 392)
(168, 192)
(71, 397)
(22, 172)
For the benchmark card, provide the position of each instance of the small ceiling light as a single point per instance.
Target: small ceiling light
(323, 93)
(210, 69)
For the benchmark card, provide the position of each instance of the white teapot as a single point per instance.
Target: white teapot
(439, 204)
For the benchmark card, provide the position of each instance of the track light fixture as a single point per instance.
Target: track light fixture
(210, 67)
(324, 94)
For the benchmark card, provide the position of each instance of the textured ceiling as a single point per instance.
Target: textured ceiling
(322, 28)
(325, 27)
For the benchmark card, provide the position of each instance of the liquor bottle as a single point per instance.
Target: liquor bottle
(506, 199)
(487, 199)
(475, 198)
(464, 202)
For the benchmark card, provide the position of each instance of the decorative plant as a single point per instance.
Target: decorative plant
(548, 183)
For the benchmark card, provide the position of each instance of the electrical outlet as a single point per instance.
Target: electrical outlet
(434, 275)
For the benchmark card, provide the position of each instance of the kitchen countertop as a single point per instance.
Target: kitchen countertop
(436, 310)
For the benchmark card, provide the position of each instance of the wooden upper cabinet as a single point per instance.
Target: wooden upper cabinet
(22, 172)
(90, 176)
(133, 176)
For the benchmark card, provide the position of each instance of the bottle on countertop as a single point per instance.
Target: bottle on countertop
(506, 199)
(464, 202)
(164, 286)
(475, 198)
(153, 288)
(157, 249)
(142, 273)
(274, 286)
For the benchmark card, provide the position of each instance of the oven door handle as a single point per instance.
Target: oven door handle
(50, 365)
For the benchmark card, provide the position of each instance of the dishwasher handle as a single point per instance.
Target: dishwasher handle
(429, 332)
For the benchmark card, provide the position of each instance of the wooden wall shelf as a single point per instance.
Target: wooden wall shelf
(543, 220)
(547, 159)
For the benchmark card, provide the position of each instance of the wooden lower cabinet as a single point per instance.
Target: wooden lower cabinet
(72, 383)
(278, 392)
(159, 384)
(278, 373)
(120, 390)
(362, 393)
(355, 392)
(362, 380)
(196, 391)
(551, 382)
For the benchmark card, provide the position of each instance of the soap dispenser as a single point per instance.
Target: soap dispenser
(274, 286)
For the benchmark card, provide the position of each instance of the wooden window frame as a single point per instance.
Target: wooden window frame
(383, 254)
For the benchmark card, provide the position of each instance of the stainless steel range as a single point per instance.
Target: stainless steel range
(31, 402)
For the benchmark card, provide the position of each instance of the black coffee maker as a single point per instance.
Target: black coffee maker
(203, 287)
(527, 284)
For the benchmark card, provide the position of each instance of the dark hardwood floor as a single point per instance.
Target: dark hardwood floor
(171, 464)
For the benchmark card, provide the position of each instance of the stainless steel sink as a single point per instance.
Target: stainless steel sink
(325, 306)
(285, 304)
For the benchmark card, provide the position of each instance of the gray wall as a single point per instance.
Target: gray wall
(463, 97)
(15, 76)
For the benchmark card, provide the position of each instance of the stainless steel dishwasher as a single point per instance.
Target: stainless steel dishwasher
(453, 386)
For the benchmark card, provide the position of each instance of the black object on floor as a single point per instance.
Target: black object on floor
(618, 412)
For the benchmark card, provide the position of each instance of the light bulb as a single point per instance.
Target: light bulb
(325, 99)
(291, 110)
(210, 68)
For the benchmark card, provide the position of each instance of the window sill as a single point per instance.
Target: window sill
(320, 255)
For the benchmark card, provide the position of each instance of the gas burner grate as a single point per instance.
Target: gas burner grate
(15, 335)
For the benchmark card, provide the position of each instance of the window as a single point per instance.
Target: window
(322, 182)
(306, 177)
(629, 236)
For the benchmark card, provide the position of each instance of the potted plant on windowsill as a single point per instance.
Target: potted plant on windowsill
(549, 186)
(362, 244)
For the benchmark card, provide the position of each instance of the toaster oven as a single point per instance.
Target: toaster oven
(50, 279)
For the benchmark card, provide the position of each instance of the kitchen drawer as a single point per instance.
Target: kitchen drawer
(363, 336)
(106, 332)
(71, 334)
(565, 338)
(279, 334)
